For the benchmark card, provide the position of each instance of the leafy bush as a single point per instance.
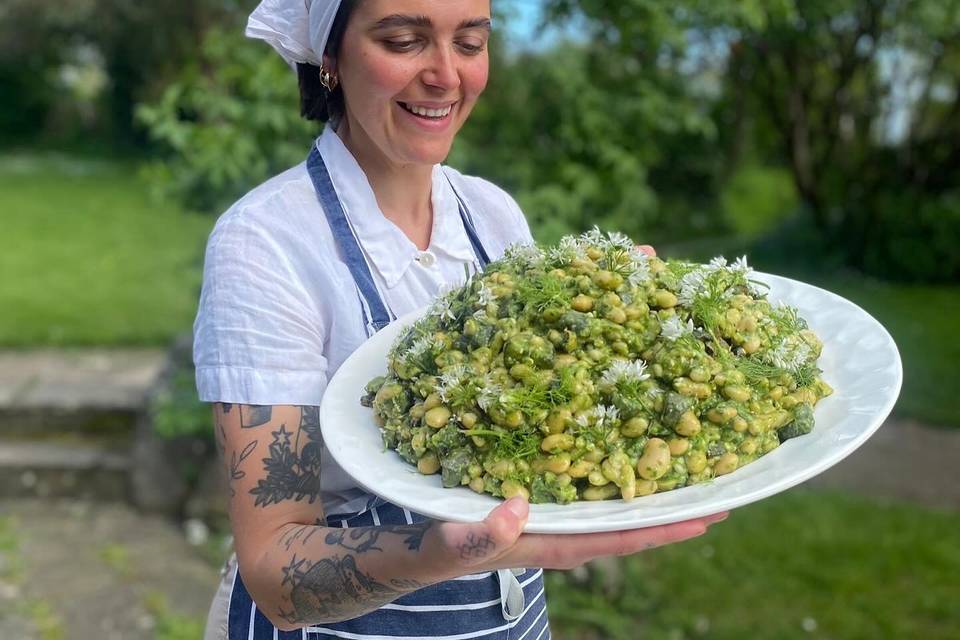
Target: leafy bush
(756, 199)
(229, 121)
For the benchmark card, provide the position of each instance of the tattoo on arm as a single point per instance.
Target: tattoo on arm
(235, 462)
(361, 540)
(252, 416)
(292, 473)
(476, 547)
(335, 589)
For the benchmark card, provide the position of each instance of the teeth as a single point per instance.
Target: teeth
(429, 113)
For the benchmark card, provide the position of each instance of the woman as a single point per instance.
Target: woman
(305, 268)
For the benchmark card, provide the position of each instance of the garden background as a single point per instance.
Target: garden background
(820, 138)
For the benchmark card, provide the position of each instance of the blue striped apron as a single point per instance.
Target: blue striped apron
(473, 606)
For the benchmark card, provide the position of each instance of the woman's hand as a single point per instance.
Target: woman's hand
(498, 541)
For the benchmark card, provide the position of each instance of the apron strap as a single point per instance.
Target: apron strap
(374, 310)
(470, 228)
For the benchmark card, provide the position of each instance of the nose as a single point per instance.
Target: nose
(441, 71)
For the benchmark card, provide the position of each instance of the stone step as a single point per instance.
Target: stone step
(31, 469)
(92, 391)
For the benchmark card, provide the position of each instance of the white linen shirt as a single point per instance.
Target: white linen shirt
(279, 311)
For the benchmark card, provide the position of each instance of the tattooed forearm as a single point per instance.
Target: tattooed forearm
(293, 472)
(363, 539)
(302, 533)
(335, 589)
(252, 416)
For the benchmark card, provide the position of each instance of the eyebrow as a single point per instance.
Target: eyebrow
(401, 20)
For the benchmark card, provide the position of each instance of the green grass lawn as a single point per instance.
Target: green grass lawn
(88, 259)
(801, 565)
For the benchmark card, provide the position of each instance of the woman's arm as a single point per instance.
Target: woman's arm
(301, 572)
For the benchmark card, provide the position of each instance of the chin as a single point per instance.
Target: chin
(430, 154)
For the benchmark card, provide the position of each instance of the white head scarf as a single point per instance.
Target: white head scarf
(297, 29)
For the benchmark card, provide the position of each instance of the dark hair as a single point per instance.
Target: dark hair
(316, 102)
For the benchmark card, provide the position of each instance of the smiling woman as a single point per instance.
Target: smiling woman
(304, 269)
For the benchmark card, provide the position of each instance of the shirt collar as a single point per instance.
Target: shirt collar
(387, 248)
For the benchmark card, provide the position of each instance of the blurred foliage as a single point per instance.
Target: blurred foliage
(177, 412)
(79, 68)
(803, 565)
(229, 120)
(756, 199)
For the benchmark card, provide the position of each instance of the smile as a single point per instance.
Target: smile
(423, 112)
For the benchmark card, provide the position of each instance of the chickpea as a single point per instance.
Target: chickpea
(645, 487)
(597, 479)
(429, 464)
(700, 374)
(740, 425)
(582, 303)
(604, 492)
(511, 488)
(617, 315)
(581, 468)
(736, 393)
(557, 442)
(558, 463)
(678, 446)
(500, 469)
(696, 461)
(655, 461)
(476, 484)
(688, 424)
(726, 464)
(557, 420)
(437, 417)
(664, 299)
(634, 427)
(433, 400)
(468, 419)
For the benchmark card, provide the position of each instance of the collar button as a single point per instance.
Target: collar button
(427, 259)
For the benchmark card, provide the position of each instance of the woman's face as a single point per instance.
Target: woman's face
(411, 72)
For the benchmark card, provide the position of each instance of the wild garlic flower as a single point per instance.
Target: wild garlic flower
(594, 237)
(569, 249)
(673, 329)
(790, 355)
(605, 414)
(420, 347)
(489, 394)
(524, 255)
(692, 286)
(451, 378)
(486, 295)
(640, 264)
(625, 371)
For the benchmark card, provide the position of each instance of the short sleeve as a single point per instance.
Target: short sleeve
(258, 336)
(518, 220)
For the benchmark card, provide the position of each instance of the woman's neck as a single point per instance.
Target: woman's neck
(403, 192)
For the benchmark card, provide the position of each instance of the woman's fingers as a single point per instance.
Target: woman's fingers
(568, 551)
(647, 249)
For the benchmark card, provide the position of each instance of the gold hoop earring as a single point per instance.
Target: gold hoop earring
(328, 79)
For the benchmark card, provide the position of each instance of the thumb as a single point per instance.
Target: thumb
(476, 545)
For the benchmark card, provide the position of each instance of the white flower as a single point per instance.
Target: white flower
(451, 378)
(570, 248)
(486, 295)
(526, 255)
(790, 355)
(740, 266)
(420, 347)
(624, 370)
(717, 263)
(640, 263)
(673, 329)
(594, 237)
(489, 393)
(692, 286)
(620, 240)
(606, 414)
